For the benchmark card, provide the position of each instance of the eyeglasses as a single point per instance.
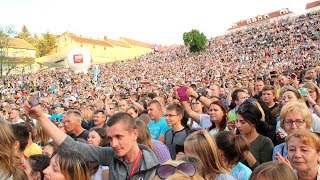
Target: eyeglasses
(298, 122)
(170, 115)
(167, 170)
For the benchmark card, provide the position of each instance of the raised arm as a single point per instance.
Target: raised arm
(195, 116)
(52, 130)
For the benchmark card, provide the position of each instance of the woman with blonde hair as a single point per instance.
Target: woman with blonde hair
(201, 144)
(160, 150)
(8, 154)
(294, 115)
(40, 136)
(87, 116)
(67, 164)
(304, 154)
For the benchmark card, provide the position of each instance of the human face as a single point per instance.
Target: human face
(282, 80)
(53, 171)
(170, 100)
(288, 96)
(172, 118)
(216, 113)
(215, 90)
(312, 94)
(99, 119)
(268, 96)
(48, 150)
(245, 81)
(293, 116)
(241, 97)
(13, 114)
(132, 113)
(243, 126)
(94, 138)
(259, 86)
(121, 140)
(302, 157)
(123, 105)
(69, 122)
(196, 106)
(154, 112)
(311, 73)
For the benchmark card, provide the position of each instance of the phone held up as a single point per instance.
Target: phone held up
(182, 93)
(34, 100)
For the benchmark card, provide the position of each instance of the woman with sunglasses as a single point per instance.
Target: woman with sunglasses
(250, 125)
(176, 170)
(201, 144)
(294, 115)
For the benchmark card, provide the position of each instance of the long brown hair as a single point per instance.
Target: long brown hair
(203, 145)
(144, 136)
(223, 123)
(72, 164)
(8, 158)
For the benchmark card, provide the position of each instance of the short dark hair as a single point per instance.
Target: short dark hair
(155, 102)
(22, 135)
(234, 95)
(38, 163)
(175, 107)
(125, 118)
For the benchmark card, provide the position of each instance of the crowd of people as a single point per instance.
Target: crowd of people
(248, 107)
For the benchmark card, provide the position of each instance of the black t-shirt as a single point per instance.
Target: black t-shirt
(82, 137)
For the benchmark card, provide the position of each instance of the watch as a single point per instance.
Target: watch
(199, 96)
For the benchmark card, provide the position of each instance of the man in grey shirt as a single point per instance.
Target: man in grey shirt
(125, 158)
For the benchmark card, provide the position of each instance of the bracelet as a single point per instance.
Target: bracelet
(199, 96)
(315, 104)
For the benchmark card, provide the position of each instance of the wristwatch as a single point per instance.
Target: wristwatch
(199, 96)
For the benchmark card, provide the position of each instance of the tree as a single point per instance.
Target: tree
(25, 34)
(195, 40)
(5, 33)
(46, 44)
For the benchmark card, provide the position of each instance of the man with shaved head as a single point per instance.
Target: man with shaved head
(158, 125)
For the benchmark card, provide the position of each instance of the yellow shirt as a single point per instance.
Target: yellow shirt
(32, 150)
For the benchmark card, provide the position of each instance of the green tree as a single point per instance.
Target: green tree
(46, 44)
(25, 34)
(195, 40)
(5, 34)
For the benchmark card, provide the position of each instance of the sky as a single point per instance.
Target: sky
(156, 22)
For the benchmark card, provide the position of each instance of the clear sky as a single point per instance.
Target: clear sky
(161, 22)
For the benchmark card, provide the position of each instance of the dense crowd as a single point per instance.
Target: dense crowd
(248, 107)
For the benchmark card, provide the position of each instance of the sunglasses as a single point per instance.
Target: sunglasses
(167, 170)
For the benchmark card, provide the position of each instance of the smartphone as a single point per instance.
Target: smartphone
(34, 100)
(182, 93)
(303, 91)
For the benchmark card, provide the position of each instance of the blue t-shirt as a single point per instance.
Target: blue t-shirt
(241, 172)
(158, 128)
(56, 117)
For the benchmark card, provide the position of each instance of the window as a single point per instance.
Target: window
(254, 19)
(259, 18)
(266, 16)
